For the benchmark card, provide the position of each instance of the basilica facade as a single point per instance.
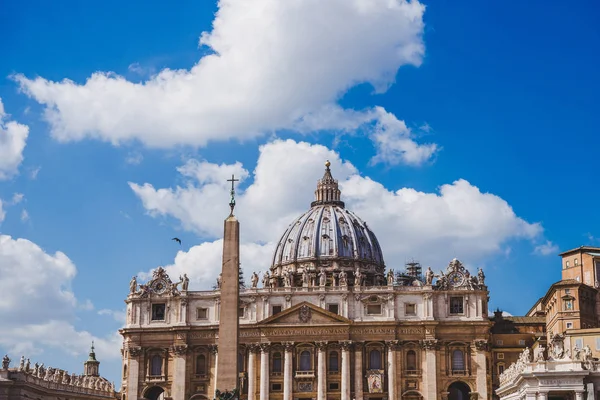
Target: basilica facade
(326, 320)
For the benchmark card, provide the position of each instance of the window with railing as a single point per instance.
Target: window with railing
(201, 364)
(305, 362)
(156, 365)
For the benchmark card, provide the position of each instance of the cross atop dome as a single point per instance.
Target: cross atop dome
(327, 191)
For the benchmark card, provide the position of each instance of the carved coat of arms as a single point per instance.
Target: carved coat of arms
(305, 314)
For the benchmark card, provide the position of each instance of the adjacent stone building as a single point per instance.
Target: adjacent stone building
(37, 382)
(329, 321)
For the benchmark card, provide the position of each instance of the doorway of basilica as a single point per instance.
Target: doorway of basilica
(458, 391)
(155, 393)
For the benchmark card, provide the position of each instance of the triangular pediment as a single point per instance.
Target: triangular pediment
(305, 313)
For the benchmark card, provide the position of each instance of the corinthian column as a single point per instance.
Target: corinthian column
(321, 371)
(252, 373)
(358, 372)
(430, 368)
(346, 345)
(287, 371)
(179, 362)
(391, 368)
(264, 371)
(481, 347)
(133, 371)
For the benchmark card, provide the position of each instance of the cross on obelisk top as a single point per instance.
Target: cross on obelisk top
(232, 201)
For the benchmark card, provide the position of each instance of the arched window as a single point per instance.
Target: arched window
(201, 364)
(458, 361)
(375, 359)
(334, 363)
(305, 364)
(277, 362)
(411, 360)
(124, 371)
(156, 365)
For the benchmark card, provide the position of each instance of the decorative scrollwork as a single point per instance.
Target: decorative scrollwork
(135, 351)
(429, 344)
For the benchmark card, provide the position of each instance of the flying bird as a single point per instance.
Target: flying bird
(177, 240)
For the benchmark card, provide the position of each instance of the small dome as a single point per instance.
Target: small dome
(330, 237)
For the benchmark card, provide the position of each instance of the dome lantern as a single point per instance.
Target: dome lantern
(327, 191)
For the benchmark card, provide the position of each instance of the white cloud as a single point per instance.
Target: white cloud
(38, 305)
(17, 198)
(546, 249)
(13, 137)
(458, 220)
(33, 173)
(117, 315)
(24, 215)
(134, 158)
(273, 65)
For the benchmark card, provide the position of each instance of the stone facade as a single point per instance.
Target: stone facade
(47, 383)
(321, 326)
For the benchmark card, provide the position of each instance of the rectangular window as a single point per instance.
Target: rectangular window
(334, 308)
(276, 387)
(201, 313)
(276, 310)
(567, 291)
(334, 386)
(410, 309)
(456, 305)
(499, 342)
(158, 312)
(241, 312)
(374, 309)
(579, 343)
(569, 325)
(500, 369)
(521, 342)
(597, 343)
(500, 356)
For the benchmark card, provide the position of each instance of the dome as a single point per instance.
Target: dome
(329, 237)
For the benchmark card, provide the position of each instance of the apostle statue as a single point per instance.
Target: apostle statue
(480, 277)
(429, 276)
(5, 362)
(357, 277)
(305, 278)
(266, 280)
(287, 281)
(322, 277)
(254, 280)
(219, 280)
(27, 365)
(185, 282)
(22, 364)
(390, 277)
(133, 285)
(343, 278)
(36, 369)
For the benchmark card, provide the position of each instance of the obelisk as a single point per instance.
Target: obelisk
(227, 368)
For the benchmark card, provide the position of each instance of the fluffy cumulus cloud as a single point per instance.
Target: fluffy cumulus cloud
(272, 65)
(13, 137)
(458, 219)
(2, 212)
(38, 306)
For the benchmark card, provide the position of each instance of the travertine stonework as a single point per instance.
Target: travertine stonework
(329, 322)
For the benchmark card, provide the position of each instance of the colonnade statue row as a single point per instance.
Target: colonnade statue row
(227, 368)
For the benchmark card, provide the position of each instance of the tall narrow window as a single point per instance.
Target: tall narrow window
(277, 363)
(375, 359)
(458, 361)
(334, 364)
(201, 364)
(124, 371)
(156, 365)
(240, 362)
(456, 305)
(305, 363)
(411, 360)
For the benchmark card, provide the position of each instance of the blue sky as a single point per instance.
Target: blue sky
(465, 129)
